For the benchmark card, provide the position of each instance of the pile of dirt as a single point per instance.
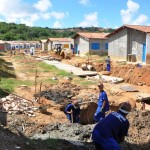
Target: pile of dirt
(139, 131)
(134, 74)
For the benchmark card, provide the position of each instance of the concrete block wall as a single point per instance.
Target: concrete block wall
(102, 46)
(136, 41)
(148, 48)
(83, 45)
(117, 45)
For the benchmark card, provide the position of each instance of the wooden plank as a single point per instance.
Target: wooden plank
(128, 88)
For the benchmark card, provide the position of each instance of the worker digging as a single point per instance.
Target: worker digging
(72, 111)
(112, 130)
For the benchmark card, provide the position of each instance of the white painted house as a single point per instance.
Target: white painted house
(131, 43)
(63, 43)
(93, 43)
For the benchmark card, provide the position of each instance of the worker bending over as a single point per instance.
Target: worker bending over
(73, 112)
(112, 130)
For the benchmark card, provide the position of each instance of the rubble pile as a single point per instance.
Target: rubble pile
(139, 131)
(75, 133)
(138, 139)
(18, 105)
(61, 95)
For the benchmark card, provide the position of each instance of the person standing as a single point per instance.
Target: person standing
(108, 63)
(112, 130)
(103, 104)
(72, 111)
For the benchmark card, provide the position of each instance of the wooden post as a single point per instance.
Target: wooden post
(35, 82)
(40, 92)
(88, 58)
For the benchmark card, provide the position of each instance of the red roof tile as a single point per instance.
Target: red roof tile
(140, 28)
(92, 35)
(60, 39)
(145, 29)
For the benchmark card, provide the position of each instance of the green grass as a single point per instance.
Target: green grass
(50, 81)
(9, 84)
(63, 73)
(43, 67)
(83, 82)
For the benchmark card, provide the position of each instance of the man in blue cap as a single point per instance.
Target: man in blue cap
(112, 129)
(103, 104)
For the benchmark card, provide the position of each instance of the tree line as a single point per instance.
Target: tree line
(12, 31)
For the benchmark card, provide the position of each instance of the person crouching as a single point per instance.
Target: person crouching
(112, 129)
(72, 111)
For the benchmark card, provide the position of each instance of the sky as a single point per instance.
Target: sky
(75, 13)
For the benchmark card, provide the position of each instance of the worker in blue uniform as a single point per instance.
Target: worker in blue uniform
(103, 104)
(72, 111)
(108, 63)
(112, 129)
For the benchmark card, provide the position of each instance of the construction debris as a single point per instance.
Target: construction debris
(128, 88)
(142, 97)
(16, 104)
(111, 79)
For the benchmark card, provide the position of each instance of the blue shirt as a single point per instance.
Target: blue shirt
(76, 111)
(113, 126)
(102, 98)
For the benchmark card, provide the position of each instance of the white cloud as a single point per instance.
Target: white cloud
(20, 11)
(29, 21)
(57, 24)
(84, 2)
(141, 19)
(58, 15)
(43, 5)
(17, 11)
(128, 15)
(54, 14)
(90, 20)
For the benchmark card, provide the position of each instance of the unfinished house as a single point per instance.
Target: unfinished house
(43, 45)
(130, 43)
(63, 43)
(93, 43)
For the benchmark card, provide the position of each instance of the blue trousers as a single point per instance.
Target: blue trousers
(75, 119)
(104, 144)
(108, 67)
(110, 144)
(99, 115)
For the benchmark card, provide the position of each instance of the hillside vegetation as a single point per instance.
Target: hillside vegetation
(12, 31)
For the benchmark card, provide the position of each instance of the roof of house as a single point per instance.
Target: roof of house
(60, 39)
(43, 41)
(2, 42)
(89, 35)
(145, 29)
(21, 42)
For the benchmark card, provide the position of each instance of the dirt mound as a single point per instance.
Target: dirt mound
(133, 74)
(139, 131)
